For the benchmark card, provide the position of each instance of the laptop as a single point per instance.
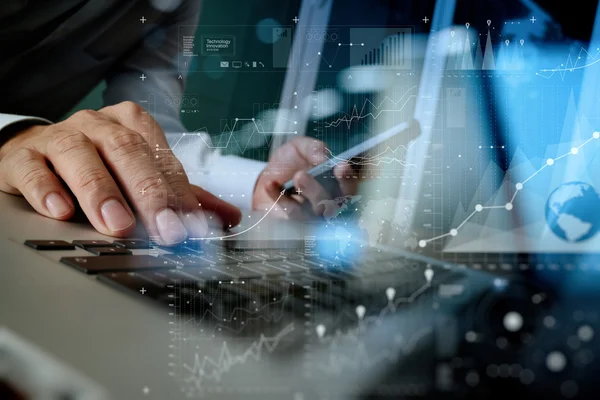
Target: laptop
(401, 291)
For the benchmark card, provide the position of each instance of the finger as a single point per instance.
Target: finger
(347, 178)
(287, 207)
(128, 156)
(190, 209)
(312, 150)
(228, 214)
(26, 172)
(311, 190)
(76, 161)
(134, 117)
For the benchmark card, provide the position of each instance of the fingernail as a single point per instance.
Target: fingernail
(170, 227)
(196, 223)
(115, 216)
(57, 205)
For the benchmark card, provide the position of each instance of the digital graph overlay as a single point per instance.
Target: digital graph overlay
(212, 369)
(333, 344)
(386, 105)
(375, 47)
(230, 235)
(583, 60)
(518, 188)
(469, 51)
(387, 156)
(221, 327)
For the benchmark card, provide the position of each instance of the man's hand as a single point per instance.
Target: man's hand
(291, 161)
(110, 159)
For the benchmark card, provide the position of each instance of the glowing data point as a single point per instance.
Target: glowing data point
(390, 293)
(519, 186)
(320, 330)
(585, 333)
(453, 232)
(360, 311)
(574, 150)
(489, 22)
(509, 206)
(429, 274)
(512, 321)
(596, 135)
(550, 161)
(556, 361)
(478, 208)
(422, 243)
(507, 42)
(467, 25)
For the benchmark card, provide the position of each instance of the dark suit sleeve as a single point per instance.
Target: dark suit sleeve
(157, 58)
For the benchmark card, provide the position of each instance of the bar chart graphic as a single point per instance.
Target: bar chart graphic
(382, 47)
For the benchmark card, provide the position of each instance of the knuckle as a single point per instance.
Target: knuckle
(130, 108)
(151, 186)
(86, 115)
(124, 141)
(166, 161)
(94, 180)
(28, 170)
(23, 155)
(63, 142)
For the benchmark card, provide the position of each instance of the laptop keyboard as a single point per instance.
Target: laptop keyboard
(247, 276)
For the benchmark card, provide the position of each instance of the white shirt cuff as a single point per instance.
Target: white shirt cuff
(9, 119)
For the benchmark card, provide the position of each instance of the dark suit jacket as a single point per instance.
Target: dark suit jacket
(55, 51)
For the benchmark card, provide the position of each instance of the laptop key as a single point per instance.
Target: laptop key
(116, 263)
(185, 260)
(86, 244)
(49, 245)
(108, 251)
(134, 284)
(132, 243)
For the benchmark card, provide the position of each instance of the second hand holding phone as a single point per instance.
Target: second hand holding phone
(330, 184)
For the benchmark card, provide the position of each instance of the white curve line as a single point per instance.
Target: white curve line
(245, 230)
(423, 242)
(570, 69)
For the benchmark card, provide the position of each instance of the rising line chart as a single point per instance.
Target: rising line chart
(518, 188)
(583, 60)
(357, 115)
(207, 368)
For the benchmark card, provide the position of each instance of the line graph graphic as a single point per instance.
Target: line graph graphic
(335, 55)
(228, 135)
(359, 115)
(375, 160)
(338, 363)
(205, 368)
(584, 59)
(245, 230)
(240, 317)
(338, 359)
(518, 188)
